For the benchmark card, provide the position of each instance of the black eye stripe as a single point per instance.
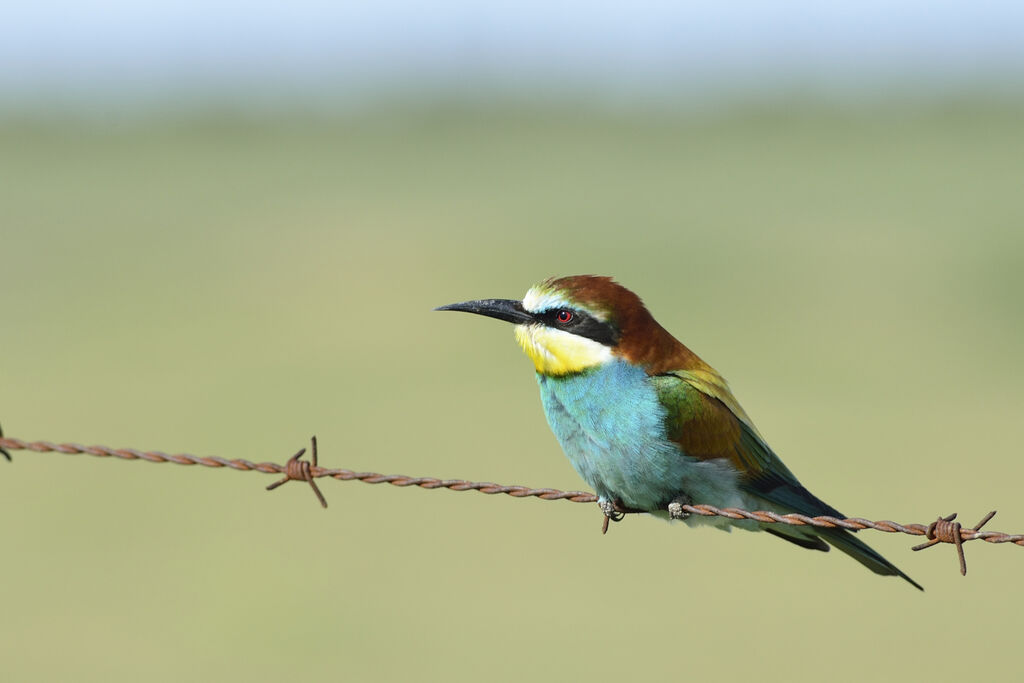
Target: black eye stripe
(581, 324)
(551, 317)
(555, 317)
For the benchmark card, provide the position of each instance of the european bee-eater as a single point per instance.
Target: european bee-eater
(647, 423)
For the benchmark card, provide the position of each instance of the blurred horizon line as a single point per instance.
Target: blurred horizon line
(190, 101)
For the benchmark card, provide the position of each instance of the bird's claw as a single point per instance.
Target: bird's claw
(612, 513)
(675, 508)
(611, 510)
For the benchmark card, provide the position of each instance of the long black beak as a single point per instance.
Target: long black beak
(508, 310)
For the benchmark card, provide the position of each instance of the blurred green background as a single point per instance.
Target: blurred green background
(222, 238)
(228, 287)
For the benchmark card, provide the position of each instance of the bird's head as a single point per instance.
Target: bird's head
(572, 324)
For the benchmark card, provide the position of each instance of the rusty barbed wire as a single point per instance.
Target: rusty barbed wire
(315, 472)
(301, 470)
(943, 530)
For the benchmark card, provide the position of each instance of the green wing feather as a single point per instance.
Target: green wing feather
(708, 423)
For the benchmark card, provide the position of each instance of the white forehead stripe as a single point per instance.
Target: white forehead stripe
(537, 300)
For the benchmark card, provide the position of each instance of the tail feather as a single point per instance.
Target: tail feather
(788, 497)
(809, 541)
(859, 550)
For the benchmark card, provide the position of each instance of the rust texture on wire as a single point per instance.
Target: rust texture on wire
(943, 530)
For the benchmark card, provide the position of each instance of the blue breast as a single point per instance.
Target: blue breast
(610, 423)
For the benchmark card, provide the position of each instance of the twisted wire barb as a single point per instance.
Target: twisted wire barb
(943, 530)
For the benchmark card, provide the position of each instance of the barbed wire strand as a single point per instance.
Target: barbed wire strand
(942, 530)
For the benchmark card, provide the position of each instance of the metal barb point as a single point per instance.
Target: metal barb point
(4, 451)
(300, 470)
(946, 530)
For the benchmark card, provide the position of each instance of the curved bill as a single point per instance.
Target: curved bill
(508, 310)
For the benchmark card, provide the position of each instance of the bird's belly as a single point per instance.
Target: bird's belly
(611, 425)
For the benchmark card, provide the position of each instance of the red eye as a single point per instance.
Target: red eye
(563, 316)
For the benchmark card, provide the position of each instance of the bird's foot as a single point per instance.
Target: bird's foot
(614, 510)
(611, 510)
(612, 513)
(675, 508)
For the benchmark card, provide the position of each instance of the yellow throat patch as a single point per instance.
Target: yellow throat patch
(556, 352)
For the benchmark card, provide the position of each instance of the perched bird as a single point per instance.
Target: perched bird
(647, 423)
